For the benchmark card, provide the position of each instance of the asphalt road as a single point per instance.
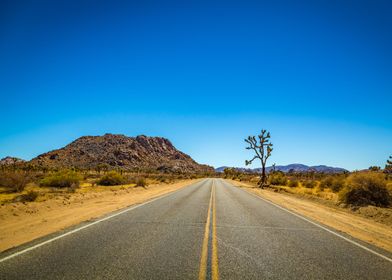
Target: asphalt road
(208, 230)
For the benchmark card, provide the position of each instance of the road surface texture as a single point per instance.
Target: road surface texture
(208, 230)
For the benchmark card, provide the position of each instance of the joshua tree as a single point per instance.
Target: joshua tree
(388, 166)
(262, 148)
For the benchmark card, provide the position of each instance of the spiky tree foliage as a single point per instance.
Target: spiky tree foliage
(262, 148)
(388, 166)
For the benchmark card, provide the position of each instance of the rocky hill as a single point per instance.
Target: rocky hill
(11, 161)
(129, 153)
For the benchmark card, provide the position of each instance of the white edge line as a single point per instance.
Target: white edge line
(322, 227)
(91, 224)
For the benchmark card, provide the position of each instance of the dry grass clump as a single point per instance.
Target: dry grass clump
(277, 179)
(309, 184)
(27, 197)
(14, 181)
(140, 182)
(332, 182)
(368, 188)
(293, 183)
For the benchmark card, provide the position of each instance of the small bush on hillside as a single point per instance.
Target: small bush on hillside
(14, 181)
(62, 179)
(366, 189)
(293, 183)
(277, 179)
(112, 178)
(310, 184)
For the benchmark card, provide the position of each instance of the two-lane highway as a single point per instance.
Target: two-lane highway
(208, 230)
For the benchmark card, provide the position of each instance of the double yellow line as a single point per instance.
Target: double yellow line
(214, 242)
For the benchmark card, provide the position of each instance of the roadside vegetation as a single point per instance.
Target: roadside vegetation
(26, 183)
(372, 187)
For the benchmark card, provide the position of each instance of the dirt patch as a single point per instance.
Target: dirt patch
(23, 222)
(363, 223)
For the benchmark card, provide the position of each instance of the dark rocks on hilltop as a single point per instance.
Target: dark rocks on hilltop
(119, 151)
(11, 161)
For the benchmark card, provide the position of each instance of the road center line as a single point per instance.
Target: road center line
(214, 243)
(204, 250)
(214, 263)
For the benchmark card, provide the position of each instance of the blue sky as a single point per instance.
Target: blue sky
(317, 74)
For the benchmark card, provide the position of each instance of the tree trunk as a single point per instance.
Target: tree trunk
(263, 177)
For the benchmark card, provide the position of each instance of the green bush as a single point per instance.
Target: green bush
(293, 183)
(277, 179)
(14, 181)
(62, 179)
(111, 178)
(363, 189)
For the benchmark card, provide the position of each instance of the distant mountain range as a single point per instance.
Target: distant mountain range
(296, 167)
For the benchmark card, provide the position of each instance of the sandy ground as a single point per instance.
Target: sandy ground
(340, 219)
(20, 223)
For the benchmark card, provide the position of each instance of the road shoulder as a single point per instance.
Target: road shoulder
(22, 223)
(341, 220)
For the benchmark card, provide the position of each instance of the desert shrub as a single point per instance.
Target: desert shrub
(112, 178)
(310, 184)
(333, 183)
(62, 179)
(363, 189)
(140, 182)
(293, 183)
(327, 182)
(337, 184)
(277, 179)
(27, 197)
(14, 181)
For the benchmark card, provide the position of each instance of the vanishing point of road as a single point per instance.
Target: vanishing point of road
(207, 230)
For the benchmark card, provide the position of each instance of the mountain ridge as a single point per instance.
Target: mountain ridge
(296, 167)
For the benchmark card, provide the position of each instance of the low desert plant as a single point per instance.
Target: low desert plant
(14, 181)
(140, 182)
(368, 188)
(327, 182)
(310, 184)
(337, 184)
(293, 183)
(277, 179)
(27, 197)
(332, 182)
(112, 178)
(62, 179)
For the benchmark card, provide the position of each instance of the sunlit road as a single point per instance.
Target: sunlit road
(208, 230)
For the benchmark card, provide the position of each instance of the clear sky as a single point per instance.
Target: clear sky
(317, 74)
